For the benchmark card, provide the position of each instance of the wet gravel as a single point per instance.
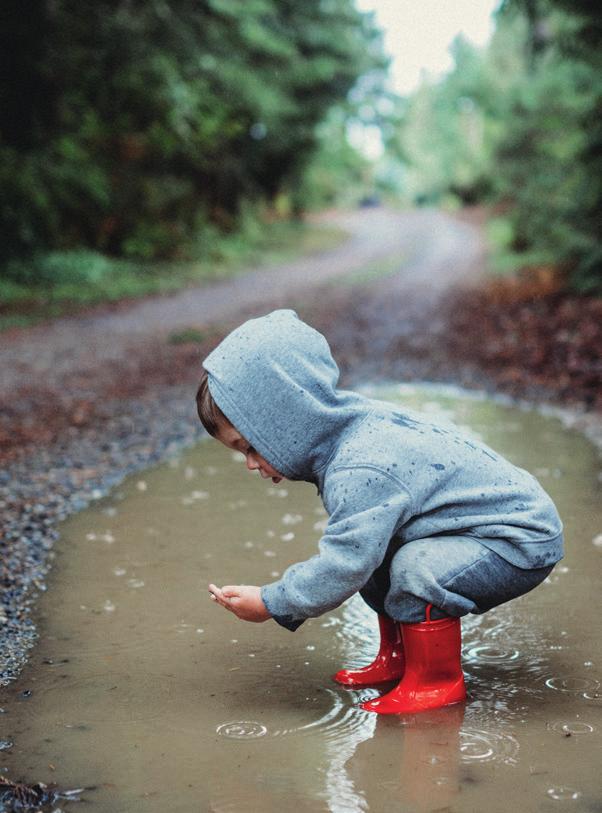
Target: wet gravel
(41, 489)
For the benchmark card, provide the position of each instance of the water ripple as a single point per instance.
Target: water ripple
(241, 730)
(573, 684)
(487, 746)
(563, 793)
(487, 653)
(568, 727)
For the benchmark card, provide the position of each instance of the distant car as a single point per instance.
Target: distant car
(367, 201)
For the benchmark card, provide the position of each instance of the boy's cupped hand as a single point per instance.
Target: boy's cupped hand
(241, 599)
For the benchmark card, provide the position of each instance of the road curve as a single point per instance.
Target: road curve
(435, 251)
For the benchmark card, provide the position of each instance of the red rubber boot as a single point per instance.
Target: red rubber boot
(388, 664)
(433, 674)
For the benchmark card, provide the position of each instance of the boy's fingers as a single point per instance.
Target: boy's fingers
(231, 590)
(217, 595)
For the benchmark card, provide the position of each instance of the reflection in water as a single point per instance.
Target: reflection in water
(420, 767)
(141, 687)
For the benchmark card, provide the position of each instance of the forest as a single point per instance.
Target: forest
(135, 133)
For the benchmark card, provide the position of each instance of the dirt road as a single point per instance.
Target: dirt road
(57, 375)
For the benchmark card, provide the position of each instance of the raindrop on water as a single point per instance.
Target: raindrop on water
(572, 683)
(277, 492)
(291, 519)
(492, 654)
(241, 730)
(597, 541)
(563, 793)
(141, 485)
(567, 727)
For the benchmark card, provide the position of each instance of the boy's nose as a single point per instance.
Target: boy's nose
(252, 464)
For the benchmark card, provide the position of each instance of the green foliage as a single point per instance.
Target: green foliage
(520, 124)
(140, 129)
(50, 284)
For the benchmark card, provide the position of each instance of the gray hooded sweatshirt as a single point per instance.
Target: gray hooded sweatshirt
(386, 475)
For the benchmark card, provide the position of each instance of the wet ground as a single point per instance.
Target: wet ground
(143, 688)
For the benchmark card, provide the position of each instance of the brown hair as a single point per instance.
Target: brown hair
(210, 414)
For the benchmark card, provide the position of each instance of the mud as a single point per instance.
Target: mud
(144, 688)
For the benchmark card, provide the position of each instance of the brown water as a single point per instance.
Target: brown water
(163, 701)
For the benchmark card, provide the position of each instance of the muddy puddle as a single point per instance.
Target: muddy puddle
(143, 688)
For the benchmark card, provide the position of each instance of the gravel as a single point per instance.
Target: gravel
(41, 489)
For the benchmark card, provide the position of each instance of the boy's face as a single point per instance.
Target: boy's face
(232, 438)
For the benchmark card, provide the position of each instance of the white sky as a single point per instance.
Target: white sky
(418, 33)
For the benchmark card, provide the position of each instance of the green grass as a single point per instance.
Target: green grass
(81, 279)
(502, 260)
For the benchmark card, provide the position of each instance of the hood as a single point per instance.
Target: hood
(275, 380)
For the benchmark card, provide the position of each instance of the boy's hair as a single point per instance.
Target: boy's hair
(210, 414)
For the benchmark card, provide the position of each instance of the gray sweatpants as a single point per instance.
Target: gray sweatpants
(456, 574)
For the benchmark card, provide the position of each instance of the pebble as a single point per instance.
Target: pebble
(40, 490)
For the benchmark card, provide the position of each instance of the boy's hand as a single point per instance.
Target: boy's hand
(242, 600)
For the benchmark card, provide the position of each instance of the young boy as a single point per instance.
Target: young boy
(427, 524)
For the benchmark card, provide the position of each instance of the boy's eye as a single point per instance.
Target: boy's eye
(251, 450)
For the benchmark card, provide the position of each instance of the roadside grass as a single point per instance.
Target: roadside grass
(84, 279)
(503, 261)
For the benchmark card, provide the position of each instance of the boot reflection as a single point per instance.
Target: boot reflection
(423, 770)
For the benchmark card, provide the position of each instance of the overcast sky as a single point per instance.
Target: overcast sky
(418, 33)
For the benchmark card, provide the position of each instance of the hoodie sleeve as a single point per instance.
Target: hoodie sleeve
(366, 506)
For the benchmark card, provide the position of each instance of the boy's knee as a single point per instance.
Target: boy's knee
(413, 567)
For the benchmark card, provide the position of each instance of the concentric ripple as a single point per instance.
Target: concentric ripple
(573, 684)
(487, 746)
(336, 724)
(568, 727)
(562, 793)
(241, 730)
(487, 653)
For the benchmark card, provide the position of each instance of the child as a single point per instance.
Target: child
(427, 524)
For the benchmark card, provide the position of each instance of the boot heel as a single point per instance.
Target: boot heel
(388, 664)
